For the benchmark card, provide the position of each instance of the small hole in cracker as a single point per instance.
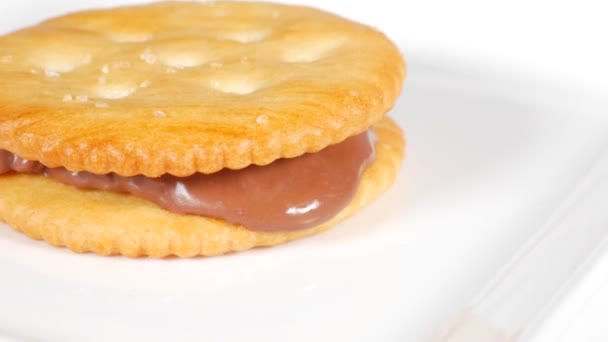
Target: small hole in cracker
(237, 86)
(244, 36)
(180, 60)
(311, 50)
(56, 64)
(114, 92)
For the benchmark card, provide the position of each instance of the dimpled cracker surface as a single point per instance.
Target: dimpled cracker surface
(112, 223)
(184, 87)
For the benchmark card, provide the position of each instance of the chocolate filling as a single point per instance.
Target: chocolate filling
(286, 195)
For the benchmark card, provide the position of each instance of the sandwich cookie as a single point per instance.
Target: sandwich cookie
(182, 128)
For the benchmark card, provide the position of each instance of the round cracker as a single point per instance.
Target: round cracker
(184, 87)
(112, 223)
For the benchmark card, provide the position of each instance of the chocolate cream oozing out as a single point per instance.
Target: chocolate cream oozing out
(286, 195)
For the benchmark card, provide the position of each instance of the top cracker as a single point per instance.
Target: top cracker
(185, 87)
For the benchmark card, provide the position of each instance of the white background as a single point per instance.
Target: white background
(559, 43)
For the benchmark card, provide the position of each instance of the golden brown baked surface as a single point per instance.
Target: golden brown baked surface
(111, 223)
(184, 87)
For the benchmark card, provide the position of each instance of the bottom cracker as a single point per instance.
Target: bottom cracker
(110, 223)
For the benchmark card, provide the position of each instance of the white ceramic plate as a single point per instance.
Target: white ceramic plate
(489, 158)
